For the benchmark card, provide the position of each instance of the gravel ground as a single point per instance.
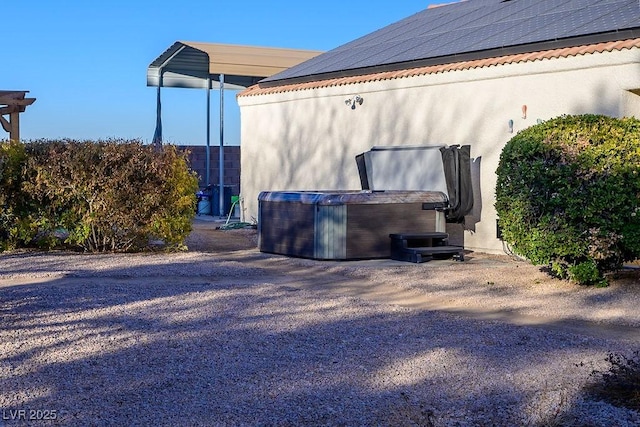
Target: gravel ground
(223, 335)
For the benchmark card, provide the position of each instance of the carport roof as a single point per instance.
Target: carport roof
(190, 64)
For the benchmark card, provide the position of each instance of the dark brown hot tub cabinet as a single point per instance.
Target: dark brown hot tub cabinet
(343, 225)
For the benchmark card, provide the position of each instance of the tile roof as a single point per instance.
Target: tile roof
(472, 29)
(454, 66)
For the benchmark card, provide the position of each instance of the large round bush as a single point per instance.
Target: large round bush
(568, 195)
(96, 196)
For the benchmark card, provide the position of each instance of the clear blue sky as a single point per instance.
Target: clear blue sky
(85, 61)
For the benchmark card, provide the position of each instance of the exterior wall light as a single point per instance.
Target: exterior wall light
(356, 100)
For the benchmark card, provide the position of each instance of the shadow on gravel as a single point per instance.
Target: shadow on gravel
(129, 348)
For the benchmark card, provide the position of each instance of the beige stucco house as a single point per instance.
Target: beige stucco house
(508, 65)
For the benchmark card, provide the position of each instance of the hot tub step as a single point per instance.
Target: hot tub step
(422, 247)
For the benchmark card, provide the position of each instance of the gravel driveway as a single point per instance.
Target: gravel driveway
(224, 335)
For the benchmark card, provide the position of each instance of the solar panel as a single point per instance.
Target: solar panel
(367, 56)
(497, 35)
(599, 18)
(474, 26)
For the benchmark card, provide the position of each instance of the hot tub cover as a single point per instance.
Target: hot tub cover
(437, 199)
(421, 168)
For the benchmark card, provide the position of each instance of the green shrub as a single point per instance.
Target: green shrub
(105, 195)
(12, 159)
(568, 195)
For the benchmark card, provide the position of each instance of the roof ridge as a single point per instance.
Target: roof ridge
(565, 52)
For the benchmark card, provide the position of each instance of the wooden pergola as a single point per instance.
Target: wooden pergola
(12, 103)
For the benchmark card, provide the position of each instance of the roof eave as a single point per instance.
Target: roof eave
(566, 52)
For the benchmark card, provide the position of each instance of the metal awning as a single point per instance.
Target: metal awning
(197, 65)
(191, 64)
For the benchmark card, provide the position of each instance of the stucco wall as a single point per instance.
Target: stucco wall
(307, 140)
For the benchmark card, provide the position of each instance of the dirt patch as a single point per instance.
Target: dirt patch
(207, 238)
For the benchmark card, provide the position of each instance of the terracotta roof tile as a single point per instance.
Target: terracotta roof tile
(454, 66)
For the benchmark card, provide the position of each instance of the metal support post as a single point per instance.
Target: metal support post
(207, 151)
(221, 154)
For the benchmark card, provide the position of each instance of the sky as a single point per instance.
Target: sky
(85, 61)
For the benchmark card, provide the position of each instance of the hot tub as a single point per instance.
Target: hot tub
(412, 189)
(344, 225)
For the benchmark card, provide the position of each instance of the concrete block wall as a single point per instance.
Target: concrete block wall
(197, 159)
